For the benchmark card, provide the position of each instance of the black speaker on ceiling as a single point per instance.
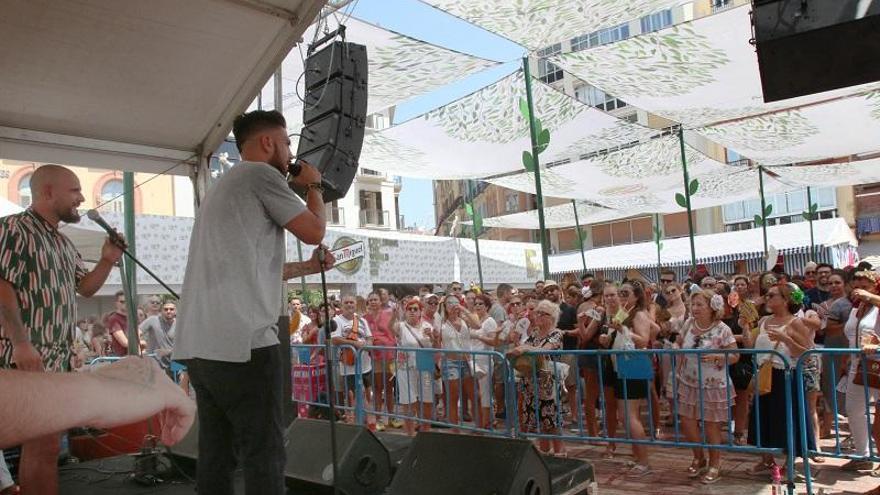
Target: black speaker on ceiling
(334, 113)
(810, 46)
(443, 463)
(363, 463)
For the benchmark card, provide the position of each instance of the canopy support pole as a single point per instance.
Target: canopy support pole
(687, 196)
(657, 242)
(533, 133)
(577, 225)
(129, 274)
(476, 236)
(810, 219)
(763, 207)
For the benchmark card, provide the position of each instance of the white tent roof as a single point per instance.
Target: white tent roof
(133, 85)
(827, 233)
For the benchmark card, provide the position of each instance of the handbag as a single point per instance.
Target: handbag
(424, 357)
(872, 373)
(634, 367)
(765, 375)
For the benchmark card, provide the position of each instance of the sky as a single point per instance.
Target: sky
(421, 21)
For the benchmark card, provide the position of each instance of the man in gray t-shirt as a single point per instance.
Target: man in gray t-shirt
(226, 331)
(158, 332)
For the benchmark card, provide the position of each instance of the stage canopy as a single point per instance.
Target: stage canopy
(400, 68)
(485, 133)
(535, 24)
(698, 73)
(140, 86)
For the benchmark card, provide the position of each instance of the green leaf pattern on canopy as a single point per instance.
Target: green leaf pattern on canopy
(379, 148)
(537, 23)
(650, 159)
(722, 183)
(408, 68)
(621, 134)
(678, 60)
(493, 113)
(765, 133)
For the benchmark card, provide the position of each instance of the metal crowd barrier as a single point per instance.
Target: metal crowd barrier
(543, 362)
(830, 365)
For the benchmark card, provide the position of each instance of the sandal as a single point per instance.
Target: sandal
(712, 475)
(762, 468)
(697, 467)
(815, 459)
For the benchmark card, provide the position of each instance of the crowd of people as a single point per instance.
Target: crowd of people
(750, 329)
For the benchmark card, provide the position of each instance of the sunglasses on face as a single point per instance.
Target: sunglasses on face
(456, 289)
(433, 303)
(541, 313)
(412, 308)
(516, 303)
(478, 303)
(671, 292)
(666, 280)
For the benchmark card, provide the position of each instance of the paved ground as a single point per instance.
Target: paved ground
(670, 476)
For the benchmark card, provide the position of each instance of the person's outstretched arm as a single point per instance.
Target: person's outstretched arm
(132, 389)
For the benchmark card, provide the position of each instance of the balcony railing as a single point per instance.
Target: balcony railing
(335, 216)
(375, 218)
(373, 173)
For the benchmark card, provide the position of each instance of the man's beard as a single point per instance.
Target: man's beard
(69, 216)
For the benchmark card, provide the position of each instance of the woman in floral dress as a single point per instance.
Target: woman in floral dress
(539, 402)
(705, 377)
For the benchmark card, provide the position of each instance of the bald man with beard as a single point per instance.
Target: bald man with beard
(40, 274)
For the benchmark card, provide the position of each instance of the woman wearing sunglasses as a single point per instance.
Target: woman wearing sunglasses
(455, 336)
(414, 388)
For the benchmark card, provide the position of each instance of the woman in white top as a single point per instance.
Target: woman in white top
(861, 325)
(484, 337)
(454, 336)
(788, 336)
(414, 386)
(705, 391)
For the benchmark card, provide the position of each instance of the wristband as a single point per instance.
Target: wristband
(316, 186)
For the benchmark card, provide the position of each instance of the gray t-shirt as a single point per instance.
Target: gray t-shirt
(158, 334)
(232, 286)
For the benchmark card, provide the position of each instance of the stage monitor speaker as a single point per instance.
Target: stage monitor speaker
(334, 115)
(443, 463)
(364, 465)
(807, 47)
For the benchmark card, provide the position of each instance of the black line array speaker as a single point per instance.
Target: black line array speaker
(443, 464)
(810, 46)
(364, 464)
(334, 114)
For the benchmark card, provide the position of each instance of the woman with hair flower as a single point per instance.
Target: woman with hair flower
(705, 391)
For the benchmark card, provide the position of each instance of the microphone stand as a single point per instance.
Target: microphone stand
(328, 366)
(118, 242)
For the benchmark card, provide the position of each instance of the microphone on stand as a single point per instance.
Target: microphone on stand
(117, 239)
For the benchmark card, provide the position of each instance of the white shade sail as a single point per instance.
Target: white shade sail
(535, 24)
(699, 72)
(399, 68)
(485, 133)
(844, 127)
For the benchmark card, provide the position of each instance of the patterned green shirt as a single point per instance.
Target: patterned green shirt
(45, 269)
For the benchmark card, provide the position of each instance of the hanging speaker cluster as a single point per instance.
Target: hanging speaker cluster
(334, 112)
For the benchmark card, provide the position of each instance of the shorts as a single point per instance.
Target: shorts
(350, 381)
(455, 369)
(386, 368)
(635, 389)
(414, 385)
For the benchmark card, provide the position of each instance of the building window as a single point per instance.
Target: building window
(595, 97)
(24, 191)
(112, 196)
(601, 37)
(719, 5)
(548, 72)
(656, 22)
(788, 207)
(511, 202)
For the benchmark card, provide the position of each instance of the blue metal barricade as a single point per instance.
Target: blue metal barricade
(854, 394)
